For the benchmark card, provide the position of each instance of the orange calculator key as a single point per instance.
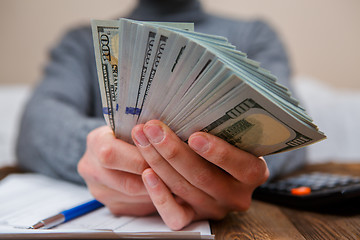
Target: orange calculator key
(300, 191)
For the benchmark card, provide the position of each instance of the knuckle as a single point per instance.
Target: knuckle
(105, 155)
(87, 171)
(265, 177)
(99, 147)
(172, 151)
(257, 172)
(81, 167)
(91, 138)
(84, 168)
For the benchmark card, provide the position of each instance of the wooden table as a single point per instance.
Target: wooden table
(269, 221)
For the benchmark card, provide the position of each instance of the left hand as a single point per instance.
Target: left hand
(112, 171)
(203, 179)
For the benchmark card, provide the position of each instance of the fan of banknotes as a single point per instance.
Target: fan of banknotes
(194, 82)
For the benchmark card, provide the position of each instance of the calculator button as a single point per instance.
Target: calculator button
(301, 191)
(355, 180)
(316, 187)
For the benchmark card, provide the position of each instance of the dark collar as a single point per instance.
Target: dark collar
(168, 10)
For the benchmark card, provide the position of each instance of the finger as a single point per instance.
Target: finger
(132, 209)
(128, 183)
(109, 196)
(121, 204)
(114, 153)
(173, 179)
(206, 187)
(244, 166)
(199, 172)
(174, 215)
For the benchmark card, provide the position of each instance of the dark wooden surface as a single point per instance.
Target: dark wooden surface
(269, 221)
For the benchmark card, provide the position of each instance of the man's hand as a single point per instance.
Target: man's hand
(205, 178)
(112, 171)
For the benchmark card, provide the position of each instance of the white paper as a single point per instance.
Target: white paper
(26, 199)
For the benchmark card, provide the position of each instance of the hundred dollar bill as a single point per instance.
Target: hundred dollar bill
(194, 82)
(127, 44)
(249, 69)
(106, 47)
(207, 82)
(161, 45)
(186, 26)
(272, 91)
(252, 123)
(203, 64)
(164, 70)
(141, 55)
(225, 80)
(173, 82)
(159, 42)
(150, 46)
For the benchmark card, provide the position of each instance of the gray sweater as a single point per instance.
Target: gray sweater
(66, 105)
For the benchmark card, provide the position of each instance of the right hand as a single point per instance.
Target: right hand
(112, 171)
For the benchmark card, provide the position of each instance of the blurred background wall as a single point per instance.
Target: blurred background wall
(322, 37)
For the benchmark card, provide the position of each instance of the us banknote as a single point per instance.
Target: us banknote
(246, 119)
(106, 46)
(194, 82)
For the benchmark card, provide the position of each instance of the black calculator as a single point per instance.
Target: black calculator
(311, 190)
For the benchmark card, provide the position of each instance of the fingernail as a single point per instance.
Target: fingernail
(199, 143)
(151, 179)
(154, 132)
(140, 138)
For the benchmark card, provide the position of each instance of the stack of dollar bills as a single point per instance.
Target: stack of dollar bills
(194, 82)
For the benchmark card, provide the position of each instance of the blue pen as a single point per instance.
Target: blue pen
(67, 215)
